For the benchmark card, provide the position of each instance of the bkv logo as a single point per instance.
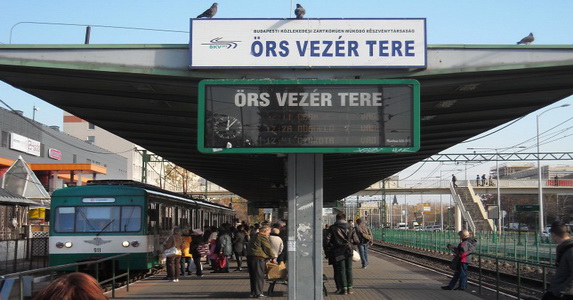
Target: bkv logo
(217, 43)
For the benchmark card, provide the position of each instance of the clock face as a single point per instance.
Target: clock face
(228, 127)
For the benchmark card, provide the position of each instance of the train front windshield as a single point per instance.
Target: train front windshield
(97, 219)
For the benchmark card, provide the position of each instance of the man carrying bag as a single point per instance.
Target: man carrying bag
(366, 240)
(338, 246)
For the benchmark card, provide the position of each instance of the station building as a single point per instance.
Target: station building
(57, 159)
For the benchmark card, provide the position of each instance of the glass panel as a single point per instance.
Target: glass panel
(98, 219)
(64, 220)
(131, 218)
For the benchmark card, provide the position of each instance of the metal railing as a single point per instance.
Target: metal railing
(464, 211)
(518, 267)
(523, 246)
(516, 248)
(26, 286)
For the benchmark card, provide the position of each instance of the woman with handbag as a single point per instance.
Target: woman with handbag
(461, 260)
(224, 249)
(172, 247)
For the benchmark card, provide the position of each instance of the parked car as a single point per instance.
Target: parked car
(433, 228)
(518, 227)
(402, 226)
(546, 232)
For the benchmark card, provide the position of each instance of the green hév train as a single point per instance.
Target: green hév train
(108, 217)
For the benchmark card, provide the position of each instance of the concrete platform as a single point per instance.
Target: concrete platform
(385, 278)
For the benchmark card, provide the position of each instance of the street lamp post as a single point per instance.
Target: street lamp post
(539, 174)
(34, 110)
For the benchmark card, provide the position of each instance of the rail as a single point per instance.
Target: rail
(25, 278)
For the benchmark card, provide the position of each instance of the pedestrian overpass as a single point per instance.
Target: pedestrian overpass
(466, 195)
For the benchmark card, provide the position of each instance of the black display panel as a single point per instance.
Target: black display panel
(308, 116)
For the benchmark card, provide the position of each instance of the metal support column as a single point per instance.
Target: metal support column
(305, 226)
(458, 219)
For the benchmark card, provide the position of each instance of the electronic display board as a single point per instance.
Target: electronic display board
(309, 116)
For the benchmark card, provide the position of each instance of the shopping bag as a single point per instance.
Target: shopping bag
(173, 251)
(275, 271)
(191, 266)
(221, 261)
(355, 256)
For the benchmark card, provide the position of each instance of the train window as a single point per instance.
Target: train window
(153, 214)
(131, 218)
(64, 220)
(98, 219)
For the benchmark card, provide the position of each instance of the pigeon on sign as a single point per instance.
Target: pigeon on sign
(527, 40)
(299, 11)
(209, 13)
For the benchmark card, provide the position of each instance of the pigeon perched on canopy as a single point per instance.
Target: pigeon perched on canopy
(299, 11)
(209, 13)
(527, 40)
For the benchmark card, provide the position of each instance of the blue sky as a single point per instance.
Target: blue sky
(448, 22)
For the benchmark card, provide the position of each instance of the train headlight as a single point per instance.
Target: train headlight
(125, 244)
(59, 245)
(135, 244)
(68, 244)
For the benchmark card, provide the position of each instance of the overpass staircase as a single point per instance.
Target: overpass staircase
(472, 208)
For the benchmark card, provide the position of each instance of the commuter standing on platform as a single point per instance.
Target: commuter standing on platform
(185, 253)
(463, 254)
(282, 225)
(197, 244)
(224, 248)
(173, 262)
(365, 238)
(276, 242)
(258, 251)
(338, 246)
(477, 180)
(483, 180)
(561, 284)
(239, 240)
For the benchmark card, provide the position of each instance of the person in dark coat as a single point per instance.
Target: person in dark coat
(338, 245)
(196, 243)
(561, 284)
(224, 248)
(239, 240)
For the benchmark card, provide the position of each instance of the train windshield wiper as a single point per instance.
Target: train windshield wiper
(81, 213)
(105, 227)
(128, 219)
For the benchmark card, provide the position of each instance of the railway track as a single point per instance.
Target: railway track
(506, 280)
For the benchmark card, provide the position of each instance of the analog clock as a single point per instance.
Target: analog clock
(227, 127)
